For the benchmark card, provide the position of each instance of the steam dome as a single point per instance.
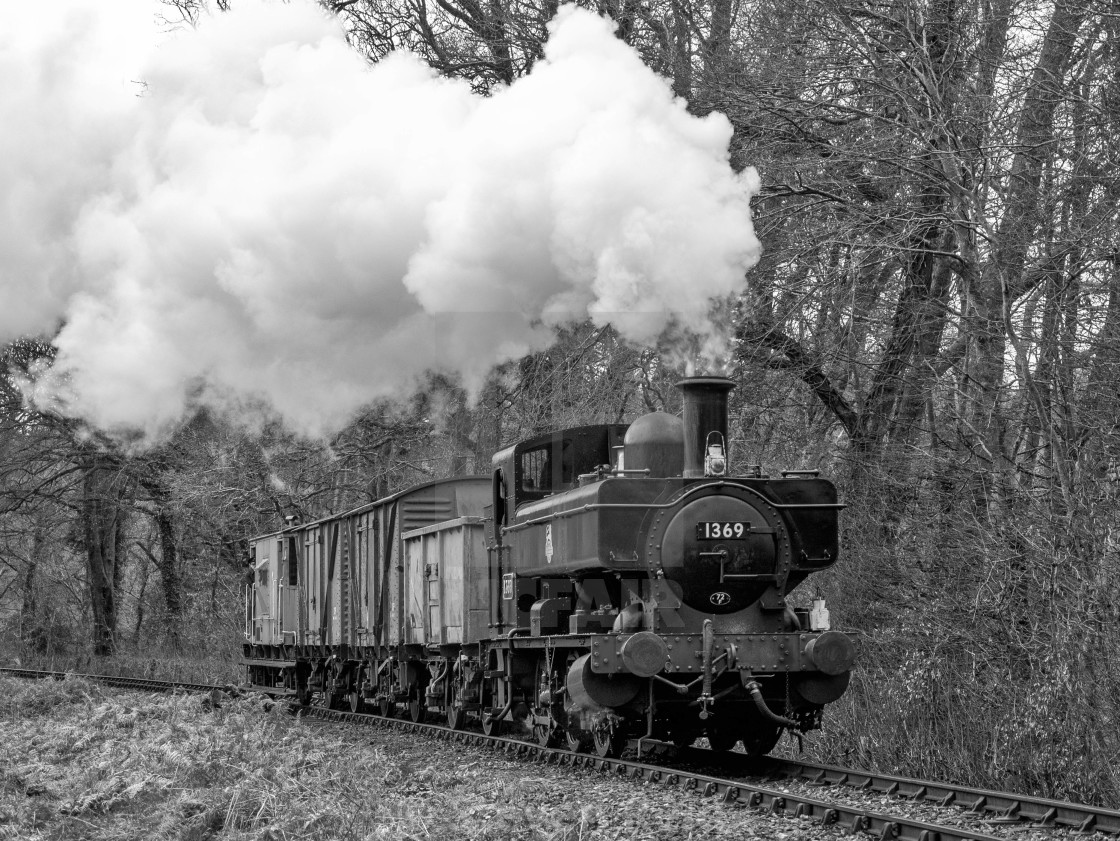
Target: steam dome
(656, 442)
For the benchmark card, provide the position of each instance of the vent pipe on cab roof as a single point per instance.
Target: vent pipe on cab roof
(705, 422)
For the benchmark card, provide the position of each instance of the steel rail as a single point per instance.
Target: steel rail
(996, 805)
(113, 680)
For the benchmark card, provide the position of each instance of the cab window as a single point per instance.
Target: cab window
(547, 469)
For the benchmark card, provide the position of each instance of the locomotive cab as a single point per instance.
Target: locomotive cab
(539, 467)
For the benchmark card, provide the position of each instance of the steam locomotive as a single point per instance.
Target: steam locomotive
(606, 583)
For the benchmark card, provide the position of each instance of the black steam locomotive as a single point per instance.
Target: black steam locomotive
(606, 583)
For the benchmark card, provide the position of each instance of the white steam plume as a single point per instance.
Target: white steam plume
(267, 217)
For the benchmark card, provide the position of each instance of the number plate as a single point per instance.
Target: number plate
(723, 530)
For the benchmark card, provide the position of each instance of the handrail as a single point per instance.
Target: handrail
(654, 506)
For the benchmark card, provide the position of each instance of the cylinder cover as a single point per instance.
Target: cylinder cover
(588, 690)
(644, 654)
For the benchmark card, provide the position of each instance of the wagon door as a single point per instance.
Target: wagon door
(359, 596)
(314, 586)
(262, 600)
(416, 565)
(436, 631)
(287, 550)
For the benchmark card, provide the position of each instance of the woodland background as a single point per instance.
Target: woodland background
(935, 324)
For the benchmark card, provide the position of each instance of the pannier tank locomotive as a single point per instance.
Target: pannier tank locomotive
(606, 583)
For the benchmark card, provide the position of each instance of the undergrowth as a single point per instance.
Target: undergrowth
(85, 763)
(928, 720)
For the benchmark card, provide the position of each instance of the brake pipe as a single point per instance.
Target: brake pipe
(755, 689)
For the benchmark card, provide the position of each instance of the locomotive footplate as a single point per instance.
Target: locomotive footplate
(685, 652)
(272, 664)
(548, 642)
(271, 690)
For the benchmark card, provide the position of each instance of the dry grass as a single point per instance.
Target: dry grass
(158, 665)
(88, 763)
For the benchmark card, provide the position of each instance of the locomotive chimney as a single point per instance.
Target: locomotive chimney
(705, 425)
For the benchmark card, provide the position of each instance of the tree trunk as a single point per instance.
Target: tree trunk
(1005, 279)
(718, 46)
(140, 603)
(29, 607)
(169, 574)
(681, 55)
(103, 515)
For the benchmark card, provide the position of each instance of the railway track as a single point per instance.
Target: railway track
(741, 786)
(992, 805)
(112, 680)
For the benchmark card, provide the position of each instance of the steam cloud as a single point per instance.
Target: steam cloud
(266, 217)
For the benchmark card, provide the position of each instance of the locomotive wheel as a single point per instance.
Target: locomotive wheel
(720, 739)
(357, 705)
(386, 708)
(576, 741)
(760, 739)
(491, 726)
(456, 716)
(683, 735)
(609, 742)
(545, 735)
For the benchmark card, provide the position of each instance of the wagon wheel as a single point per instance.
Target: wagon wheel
(608, 739)
(456, 715)
(357, 704)
(416, 710)
(490, 726)
(318, 694)
(760, 739)
(331, 699)
(318, 699)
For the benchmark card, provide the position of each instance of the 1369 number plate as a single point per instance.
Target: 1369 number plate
(722, 530)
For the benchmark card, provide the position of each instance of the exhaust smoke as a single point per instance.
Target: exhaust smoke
(248, 214)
